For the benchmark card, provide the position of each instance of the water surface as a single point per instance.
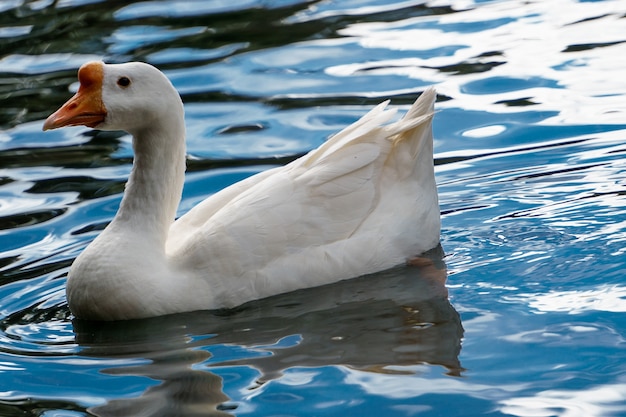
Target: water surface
(521, 313)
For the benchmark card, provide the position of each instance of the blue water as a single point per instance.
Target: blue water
(522, 313)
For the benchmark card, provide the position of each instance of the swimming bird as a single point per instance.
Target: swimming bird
(362, 202)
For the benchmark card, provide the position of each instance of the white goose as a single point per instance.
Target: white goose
(364, 201)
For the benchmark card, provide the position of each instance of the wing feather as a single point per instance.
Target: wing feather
(369, 187)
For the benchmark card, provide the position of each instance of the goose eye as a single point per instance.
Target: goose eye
(123, 81)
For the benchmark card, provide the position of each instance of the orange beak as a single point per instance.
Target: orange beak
(86, 107)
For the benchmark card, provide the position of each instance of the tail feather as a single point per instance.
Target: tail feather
(408, 135)
(376, 117)
(412, 137)
(425, 104)
(420, 112)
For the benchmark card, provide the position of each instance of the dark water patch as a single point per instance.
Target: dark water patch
(588, 46)
(31, 218)
(518, 102)
(49, 265)
(468, 67)
(558, 172)
(515, 150)
(97, 227)
(229, 130)
(31, 407)
(32, 317)
(589, 19)
(94, 154)
(31, 269)
(540, 212)
(195, 164)
(8, 260)
(85, 187)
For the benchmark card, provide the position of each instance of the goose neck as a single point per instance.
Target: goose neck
(154, 188)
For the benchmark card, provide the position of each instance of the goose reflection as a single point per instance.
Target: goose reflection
(380, 323)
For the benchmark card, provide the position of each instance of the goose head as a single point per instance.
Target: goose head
(131, 97)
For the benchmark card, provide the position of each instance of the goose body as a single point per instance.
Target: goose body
(364, 201)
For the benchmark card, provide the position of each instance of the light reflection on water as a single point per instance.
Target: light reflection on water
(530, 166)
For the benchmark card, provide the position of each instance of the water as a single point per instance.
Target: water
(523, 316)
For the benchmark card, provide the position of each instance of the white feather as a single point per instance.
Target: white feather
(364, 201)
